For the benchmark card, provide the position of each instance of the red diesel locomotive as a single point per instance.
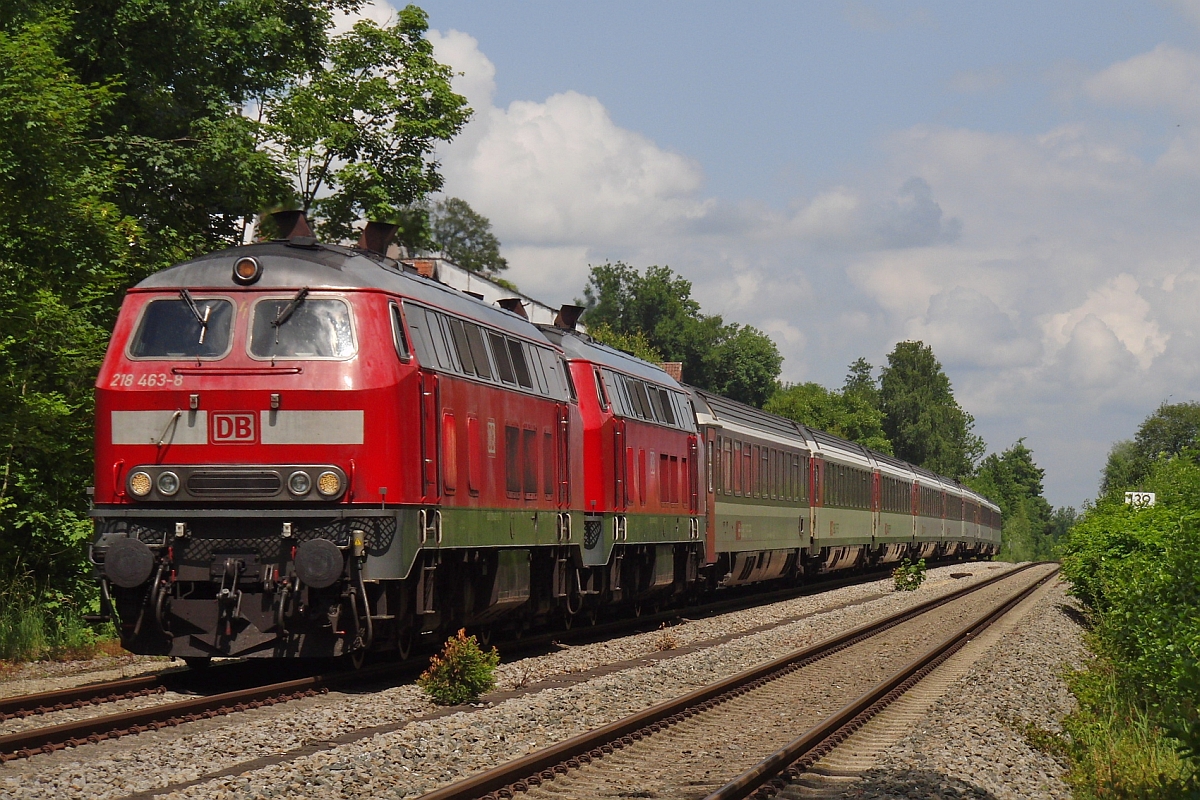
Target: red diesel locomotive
(306, 449)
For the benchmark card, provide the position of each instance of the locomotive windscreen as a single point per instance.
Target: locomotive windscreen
(172, 329)
(316, 328)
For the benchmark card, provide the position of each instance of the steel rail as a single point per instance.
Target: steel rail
(772, 774)
(28, 705)
(531, 770)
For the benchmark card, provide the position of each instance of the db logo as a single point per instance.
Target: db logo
(231, 428)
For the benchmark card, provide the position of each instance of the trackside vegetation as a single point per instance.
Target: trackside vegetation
(1137, 574)
(461, 673)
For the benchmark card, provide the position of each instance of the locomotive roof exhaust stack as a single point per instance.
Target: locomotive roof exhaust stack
(514, 305)
(568, 315)
(376, 237)
(291, 224)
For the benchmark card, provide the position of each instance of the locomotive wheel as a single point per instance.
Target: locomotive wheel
(404, 642)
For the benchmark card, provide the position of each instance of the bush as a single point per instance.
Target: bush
(909, 576)
(461, 673)
(1137, 573)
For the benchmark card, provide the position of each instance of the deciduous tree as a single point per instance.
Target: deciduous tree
(921, 418)
(737, 361)
(465, 237)
(846, 414)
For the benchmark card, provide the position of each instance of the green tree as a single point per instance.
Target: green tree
(921, 418)
(1171, 430)
(465, 237)
(191, 165)
(635, 343)
(861, 383)
(65, 252)
(846, 414)
(1013, 481)
(357, 132)
(737, 361)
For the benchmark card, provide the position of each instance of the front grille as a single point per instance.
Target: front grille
(234, 483)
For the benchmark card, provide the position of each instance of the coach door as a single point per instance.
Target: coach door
(430, 438)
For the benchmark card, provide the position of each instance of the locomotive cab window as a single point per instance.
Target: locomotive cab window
(301, 327)
(401, 341)
(184, 327)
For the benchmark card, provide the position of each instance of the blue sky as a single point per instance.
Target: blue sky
(1016, 184)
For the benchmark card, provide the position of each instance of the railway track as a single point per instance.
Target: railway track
(744, 725)
(211, 701)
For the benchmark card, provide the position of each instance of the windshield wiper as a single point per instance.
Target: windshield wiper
(288, 310)
(186, 296)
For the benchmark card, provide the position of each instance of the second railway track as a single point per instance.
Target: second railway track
(742, 728)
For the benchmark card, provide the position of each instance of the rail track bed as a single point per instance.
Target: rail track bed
(745, 726)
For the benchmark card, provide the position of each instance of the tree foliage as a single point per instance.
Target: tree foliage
(1013, 481)
(65, 252)
(357, 131)
(921, 418)
(1172, 429)
(847, 414)
(465, 237)
(737, 361)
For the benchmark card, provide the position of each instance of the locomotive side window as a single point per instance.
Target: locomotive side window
(398, 337)
(478, 350)
(512, 460)
(502, 358)
(313, 328)
(422, 336)
(169, 328)
(465, 357)
(519, 365)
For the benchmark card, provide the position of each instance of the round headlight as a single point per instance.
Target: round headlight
(168, 483)
(140, 484)
(328, 483)
(247, 270)
(299, 483)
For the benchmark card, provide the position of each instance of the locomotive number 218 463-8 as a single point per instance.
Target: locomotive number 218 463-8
(124, 380)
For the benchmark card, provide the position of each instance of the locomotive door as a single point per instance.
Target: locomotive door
(620, 476)
(563, 456)
(430, 437)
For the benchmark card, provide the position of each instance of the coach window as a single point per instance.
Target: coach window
(664, 479)
(736, 467)
(747, 469)
(727, 465)
(474, 455)
(398, 337)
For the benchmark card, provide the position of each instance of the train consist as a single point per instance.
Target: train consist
(306, 449)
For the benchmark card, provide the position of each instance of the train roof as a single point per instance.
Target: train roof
(580, 346)
(722, 408)
(289, 266)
